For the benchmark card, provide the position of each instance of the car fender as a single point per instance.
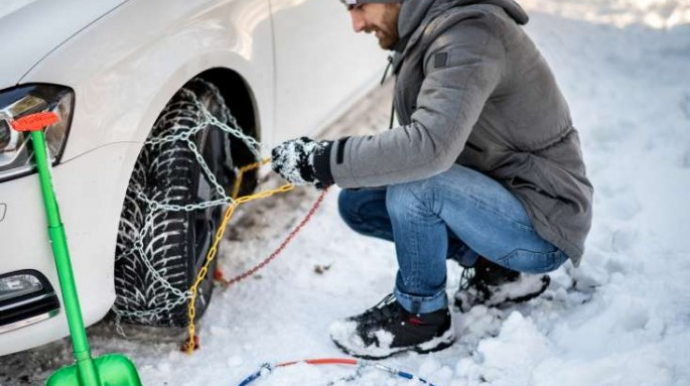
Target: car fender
(125, 67)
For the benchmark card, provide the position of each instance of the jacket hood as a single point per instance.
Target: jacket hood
(419, 12)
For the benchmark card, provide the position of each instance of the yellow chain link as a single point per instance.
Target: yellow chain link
(240, 175)
(219, 236)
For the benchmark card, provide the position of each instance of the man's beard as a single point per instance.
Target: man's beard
(387, 39)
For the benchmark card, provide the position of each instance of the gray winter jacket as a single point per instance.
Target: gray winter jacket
(473, 89)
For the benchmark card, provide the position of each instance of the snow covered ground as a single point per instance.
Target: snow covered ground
(622, 318)
(653, 13)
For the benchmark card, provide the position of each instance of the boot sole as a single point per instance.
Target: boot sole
(445, 342)
(546, 280)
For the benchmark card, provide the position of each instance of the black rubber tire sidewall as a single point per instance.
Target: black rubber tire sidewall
(168, 173)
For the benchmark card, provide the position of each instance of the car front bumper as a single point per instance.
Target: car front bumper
(90, 191)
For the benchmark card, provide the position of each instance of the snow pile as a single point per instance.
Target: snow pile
(653, 13)
(509, 358)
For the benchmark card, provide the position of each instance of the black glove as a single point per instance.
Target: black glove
(294, 160)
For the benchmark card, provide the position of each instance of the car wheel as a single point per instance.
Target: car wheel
(161, 250)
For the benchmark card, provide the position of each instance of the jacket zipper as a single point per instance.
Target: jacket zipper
(388, 66)
(385, 73)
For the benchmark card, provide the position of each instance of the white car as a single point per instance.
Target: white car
(121, 74)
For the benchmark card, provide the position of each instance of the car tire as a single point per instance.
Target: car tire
(160, 252)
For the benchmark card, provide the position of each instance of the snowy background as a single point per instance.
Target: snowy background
(622, 318)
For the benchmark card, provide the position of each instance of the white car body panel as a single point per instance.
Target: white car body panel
(123, 73)
(308, 96)
(124, 67)
(89, 235)
(44, 25)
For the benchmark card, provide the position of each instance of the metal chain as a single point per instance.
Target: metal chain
(144, 256)
(205, 120)
(174, 296)
(283, 245)
(191, 341)
(155, 205)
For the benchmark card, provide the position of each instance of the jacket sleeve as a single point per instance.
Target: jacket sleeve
(462, 67)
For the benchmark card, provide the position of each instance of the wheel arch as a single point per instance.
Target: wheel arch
(238, 96)
(235, 88)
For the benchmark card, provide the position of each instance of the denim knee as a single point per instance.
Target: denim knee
(348, 208)
(401, 197)
(364, 211)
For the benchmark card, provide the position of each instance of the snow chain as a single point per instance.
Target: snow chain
(267, 368)
(193, 342)
(230, 126)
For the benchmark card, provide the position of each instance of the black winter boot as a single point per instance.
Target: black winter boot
(387, 329)
(490, 284)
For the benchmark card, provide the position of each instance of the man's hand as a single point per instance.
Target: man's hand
(294, 160)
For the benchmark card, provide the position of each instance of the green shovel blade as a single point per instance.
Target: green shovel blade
(111, 370)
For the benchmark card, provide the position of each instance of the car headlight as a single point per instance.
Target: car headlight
(15, 147)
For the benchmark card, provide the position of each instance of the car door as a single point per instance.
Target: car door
(322, 66)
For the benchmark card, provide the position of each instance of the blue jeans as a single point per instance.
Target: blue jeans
(460, 214)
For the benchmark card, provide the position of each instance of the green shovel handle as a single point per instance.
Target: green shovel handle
(87, 370)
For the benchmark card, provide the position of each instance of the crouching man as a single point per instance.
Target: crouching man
(485, 168)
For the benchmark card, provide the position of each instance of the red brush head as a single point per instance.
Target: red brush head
(35, 122)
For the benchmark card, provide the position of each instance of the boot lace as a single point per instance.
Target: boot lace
(386, 310)
(468, 278)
